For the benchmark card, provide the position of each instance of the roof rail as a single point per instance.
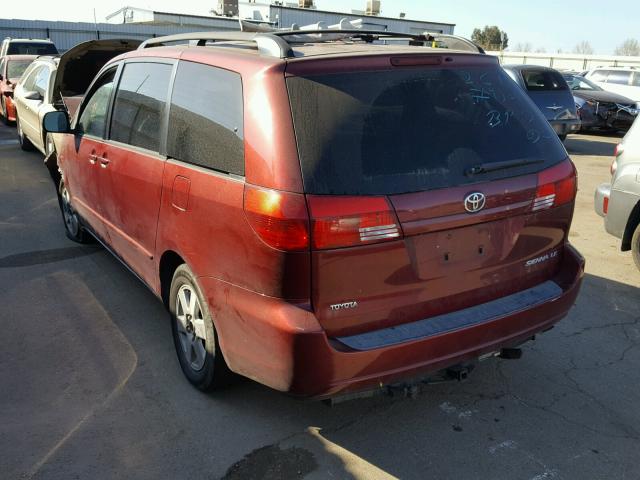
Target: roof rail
(279, 43)
(455, 42)
(268, 44)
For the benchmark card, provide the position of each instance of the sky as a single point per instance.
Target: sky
(547, 24)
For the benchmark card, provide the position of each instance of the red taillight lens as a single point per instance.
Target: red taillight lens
(279, 218)
(347, 221)
(556, 186)
(605, 205)
(618, 150)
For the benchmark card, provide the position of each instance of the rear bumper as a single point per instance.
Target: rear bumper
(564, 127)
(283, 346)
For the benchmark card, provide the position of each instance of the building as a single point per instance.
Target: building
(278, 14)
(140, 24)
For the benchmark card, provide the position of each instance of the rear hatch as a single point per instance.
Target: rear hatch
(432, 185)
(550, 92)
(78, 66)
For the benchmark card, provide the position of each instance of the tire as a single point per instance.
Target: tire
(72, 223)
(200, 358)
(49, 146)
(635, 246)
(25, 143)
(51, 161)
(3, 112)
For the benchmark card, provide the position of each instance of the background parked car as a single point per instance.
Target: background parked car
(550, 92)
(27, 46)
(11, 69)
(598, 108)
(42, 90)
(622, 80)
(619, 201)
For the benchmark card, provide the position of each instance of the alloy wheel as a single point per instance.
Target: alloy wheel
(191, 327)
(70, 218)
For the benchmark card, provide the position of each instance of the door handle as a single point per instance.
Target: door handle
(93, 158)
(104, 162)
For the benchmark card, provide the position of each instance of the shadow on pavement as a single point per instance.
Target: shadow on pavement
(575, 392)
(40, 257)
(589, 145)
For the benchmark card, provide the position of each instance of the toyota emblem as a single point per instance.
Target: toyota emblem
(474, 202)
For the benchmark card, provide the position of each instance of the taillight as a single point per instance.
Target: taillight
(618, 150)
(341, 221)
(279, 218)
(556, 186)
(605, 205)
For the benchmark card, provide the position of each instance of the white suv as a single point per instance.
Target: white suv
(622, 80)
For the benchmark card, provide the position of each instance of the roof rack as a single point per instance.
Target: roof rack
(268, 44)
(279, 43)
(368, 36)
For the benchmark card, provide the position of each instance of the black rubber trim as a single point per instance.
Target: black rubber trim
(449, 322)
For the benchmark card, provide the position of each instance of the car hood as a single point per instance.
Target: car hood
(79, 65)
(603, 96)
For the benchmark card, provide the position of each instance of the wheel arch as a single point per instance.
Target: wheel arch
(632, 224)
(169, 262)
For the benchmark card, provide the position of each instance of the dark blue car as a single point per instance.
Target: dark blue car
(550, 92)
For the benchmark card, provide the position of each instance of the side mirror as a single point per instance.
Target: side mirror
(56, 122)
(33, 95)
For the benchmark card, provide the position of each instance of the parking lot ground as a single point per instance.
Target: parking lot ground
(90, 386)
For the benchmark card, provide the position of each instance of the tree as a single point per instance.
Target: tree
(523, 47)
(541, 50)
(490, 38)
(630, 47)
(584, 48)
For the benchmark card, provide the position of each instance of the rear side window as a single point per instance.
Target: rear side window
(543, 80)
(31, 48)
(407, 130)
(206, 118)
(139, 104)
(619, 77)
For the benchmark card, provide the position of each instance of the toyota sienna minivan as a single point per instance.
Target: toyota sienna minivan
(323, 213)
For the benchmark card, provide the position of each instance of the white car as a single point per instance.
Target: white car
(622, 80)
(42, 90)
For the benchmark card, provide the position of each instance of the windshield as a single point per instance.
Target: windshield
(580, 83)
(15, 68)
(408, 130)
(31, 48)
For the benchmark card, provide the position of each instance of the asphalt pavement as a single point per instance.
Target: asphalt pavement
(90, 386)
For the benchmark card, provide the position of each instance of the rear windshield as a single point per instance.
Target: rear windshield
(15, 68)
(408, 130)
(544, 80)
(31, 48)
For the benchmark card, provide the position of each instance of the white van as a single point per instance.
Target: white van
(622, 80)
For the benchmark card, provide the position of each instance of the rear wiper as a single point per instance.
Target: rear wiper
(494, 166)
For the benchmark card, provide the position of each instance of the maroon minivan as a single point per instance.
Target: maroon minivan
(324, 214)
